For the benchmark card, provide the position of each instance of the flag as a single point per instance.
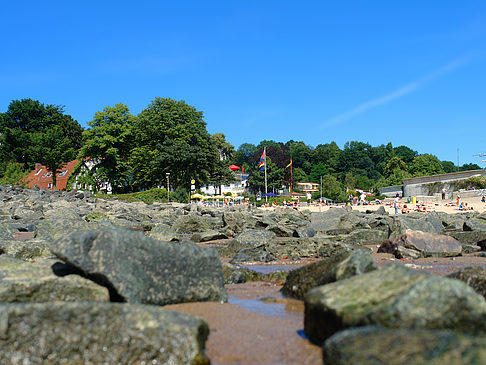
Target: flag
(261, 165)
(290, 164)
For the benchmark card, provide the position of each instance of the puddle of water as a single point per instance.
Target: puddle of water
(268, 308)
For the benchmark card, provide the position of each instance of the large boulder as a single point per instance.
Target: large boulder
(328, 270)
(338, 221)
(138, 269)
(207, 236)
(415, 244)
(22, 281)
(372, 345)
(99, 333)
(395, 297)
(474, 276)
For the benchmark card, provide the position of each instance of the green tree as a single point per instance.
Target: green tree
(244, 154)
(22, 128)
(221, 174)
(424, 165)
(109, 141)
(175, 133)
(275, 176)
(333, 189)
(470, 166)
(317, 171)
(55, 149)
(301, 156)
(449, 166)
(329, 155)
(405, 153)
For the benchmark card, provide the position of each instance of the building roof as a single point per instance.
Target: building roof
(41, 177)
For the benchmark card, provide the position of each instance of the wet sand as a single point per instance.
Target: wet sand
(249, 333)
(260, 326)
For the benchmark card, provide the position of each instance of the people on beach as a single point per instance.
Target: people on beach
(444, 190)
(483, 199)
(458, 199)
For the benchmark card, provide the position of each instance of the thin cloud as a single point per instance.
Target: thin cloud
(404, 90)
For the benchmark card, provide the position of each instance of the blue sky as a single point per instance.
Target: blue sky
(411, 73)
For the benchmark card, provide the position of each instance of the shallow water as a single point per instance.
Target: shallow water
(267, 269)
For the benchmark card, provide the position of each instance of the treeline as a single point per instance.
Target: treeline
(136, 151)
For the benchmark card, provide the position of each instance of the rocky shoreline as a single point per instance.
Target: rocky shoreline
(92, 266)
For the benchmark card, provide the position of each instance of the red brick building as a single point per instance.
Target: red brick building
(42, 178)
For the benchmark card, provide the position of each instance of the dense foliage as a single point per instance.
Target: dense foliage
(136, 152)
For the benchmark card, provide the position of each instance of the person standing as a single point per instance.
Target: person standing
(444, 190)
(396, 203)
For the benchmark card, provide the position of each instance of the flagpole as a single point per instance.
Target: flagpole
(291, 177)
(266, 188)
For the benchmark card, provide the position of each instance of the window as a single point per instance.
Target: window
(38, 172)
(63, 173)
(49, 186)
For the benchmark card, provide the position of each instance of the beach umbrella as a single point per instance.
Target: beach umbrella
(270, 194)
(197, 196)
(233, 167)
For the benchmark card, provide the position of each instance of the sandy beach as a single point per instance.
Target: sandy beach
(447, 206)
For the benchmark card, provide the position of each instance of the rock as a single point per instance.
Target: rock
(192, 223)
(328, 248)
(424, 222)
(415, 244)
(304, 232)
(394, 297)
(474, 238)
(281, 231)
(474, 276)
(254, 238)
(475, 224)
(376, 345)
(365, 237)
(328, 270)
(99, 333)
(206, 236)
(452, 222)
(26, 250)
(237, 274)
(238, 221)
(381, 211)
(163, 232)
(22, 281)
(138, 269)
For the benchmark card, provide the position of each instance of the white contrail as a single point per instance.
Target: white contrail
(404, 90)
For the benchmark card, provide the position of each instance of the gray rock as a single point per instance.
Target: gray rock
(424, 222)
(192, 223)
(328, 270)
(139, 269)
(26, 250)
(22, 281)
(474, 238)
(163, 232)
(376, 345)
(254, 238)
(99, 333)
(415, 244)
(394, 297)
(475, 224)
(474, 276)
(207, 236)
(237, 274)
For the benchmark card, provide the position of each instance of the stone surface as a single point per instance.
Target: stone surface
(139, 269)
(375, 345)
(415, 244)
(22, 281)
(163, 232)
(473, 276)
(395, 297)
(27, 250)
(99, 333)
(328, 270)
(208, 236)
(474, 238)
